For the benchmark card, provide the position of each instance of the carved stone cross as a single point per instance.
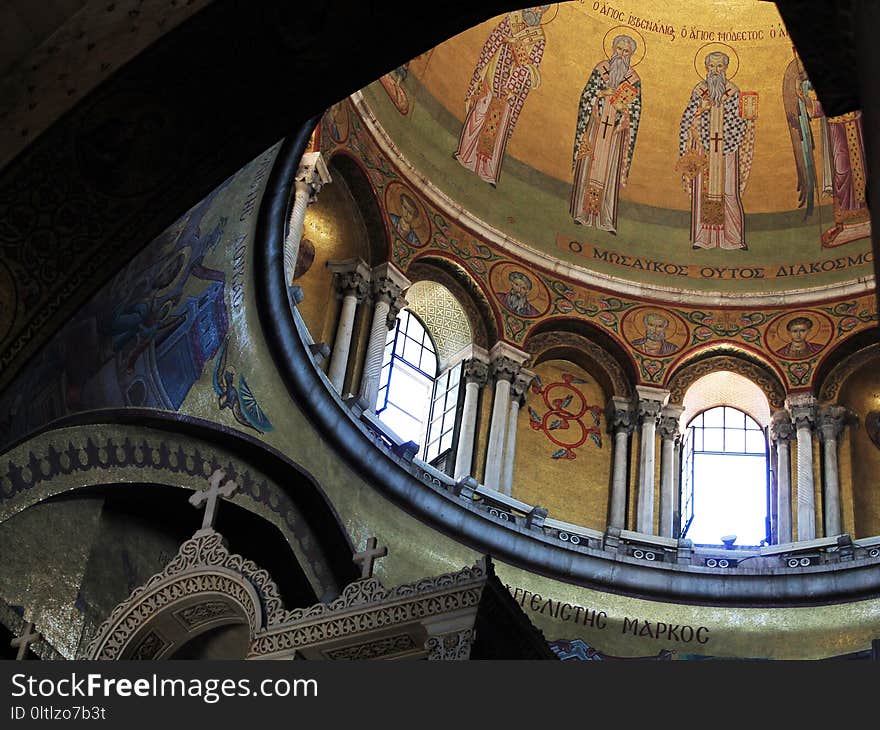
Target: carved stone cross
(208, 497)
(366, 558)
(26, 639)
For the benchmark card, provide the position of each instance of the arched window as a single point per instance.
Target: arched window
(725, 484)
(409, 367)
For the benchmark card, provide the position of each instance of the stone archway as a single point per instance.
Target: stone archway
(204, 587)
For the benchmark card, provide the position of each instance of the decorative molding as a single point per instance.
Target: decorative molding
(451, 646)
(760, 375)
(378, 649)
(203, 565)
(367, 605)
(66, 458)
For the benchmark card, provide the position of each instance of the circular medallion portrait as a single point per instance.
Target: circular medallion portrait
(406, 216)
(654, 332)
(519, 292)
(799, 335)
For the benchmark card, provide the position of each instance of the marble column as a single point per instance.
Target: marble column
(475, 375)
(620, 422)
(803, 413)
(830, 423)
(311, 176)
(352, 279)
(669, 419)
(387, 285)
(781, 432)
(676, 490)
(650, 403)
(506, 364)
(518, 389)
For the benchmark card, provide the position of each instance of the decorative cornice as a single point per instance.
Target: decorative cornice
(366, 605)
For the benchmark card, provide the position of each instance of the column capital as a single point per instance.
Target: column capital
(521, 383)
(802, 407)
(394, 308)
(619, 414)
(312, 174)
(651, 400)
(670, 418)
(781, 427)
(476, 371)
(830, 420)
(352, 276)
(388, 283)
(506, 361)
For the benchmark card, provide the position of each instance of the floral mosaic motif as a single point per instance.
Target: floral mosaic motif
(568, 420)
(799, 373)
(849, 315)
(606, 309)
(651, 369)
(708, 325)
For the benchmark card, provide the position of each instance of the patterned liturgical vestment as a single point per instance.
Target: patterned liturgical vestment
(716, 143)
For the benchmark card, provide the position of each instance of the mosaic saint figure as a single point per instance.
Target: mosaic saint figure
(517, 298)
(607, 124)
(797, 98)
(403, 223)
(507, 70)
(654, 342)
(716, 145)
(799, 346)
(843, 162)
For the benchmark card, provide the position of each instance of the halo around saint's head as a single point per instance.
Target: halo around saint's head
(627, 31)
(705, 50)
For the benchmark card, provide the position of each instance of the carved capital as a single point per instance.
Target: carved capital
(670, 418)
(620, 415)
(781, 427)
(668, 427)
(830, 421)
(476, 371)
(649, 409)
(503, 368)
(520, 385)
(451, 646)
(311, 175)
(803, 416)
(352, 283)
(394, 309)
(651, 402)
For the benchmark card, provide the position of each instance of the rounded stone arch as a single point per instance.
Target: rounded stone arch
(586, 346)
(349, 169)
(204, 587)
(754, 370)
(466, 291)
(842, 361)
(168, 449)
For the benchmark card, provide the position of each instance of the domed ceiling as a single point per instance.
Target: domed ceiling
(667, 146)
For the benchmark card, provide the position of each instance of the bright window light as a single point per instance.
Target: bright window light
(724, 479)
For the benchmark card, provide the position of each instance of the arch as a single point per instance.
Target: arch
(203, 587)
(737, 362)
(466, 291)
(843, 361)
(611, 358)
(353, 175)
(181, 451)
(443, 318)
(582, 352)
